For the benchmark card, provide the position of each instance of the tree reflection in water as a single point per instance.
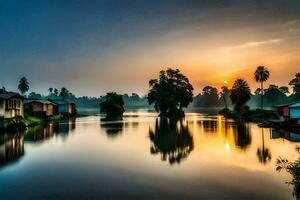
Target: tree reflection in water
(292, 168)
(113, 129)
(172, 139)
(242, 135)
(263, 153)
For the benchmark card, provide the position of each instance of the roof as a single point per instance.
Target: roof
(61, 101)
(295, 105)
(39, 101)
(288, 104)
(9, 95)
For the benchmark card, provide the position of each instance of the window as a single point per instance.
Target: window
(1, 103)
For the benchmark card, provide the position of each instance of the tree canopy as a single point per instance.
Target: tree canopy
(23, 85)
(112, 106)
(170, 93)
(240, 94)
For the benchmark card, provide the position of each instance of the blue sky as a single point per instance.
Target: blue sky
(92, 47)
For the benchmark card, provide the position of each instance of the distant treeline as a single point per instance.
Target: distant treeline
(274, 95)
(133, 100)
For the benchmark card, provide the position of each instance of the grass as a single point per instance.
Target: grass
(33, 121)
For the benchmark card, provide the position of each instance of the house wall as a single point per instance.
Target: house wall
(2, 107)
(13, 107)
(286, 111)
(49, 109)
(295, 113)
(63, 108)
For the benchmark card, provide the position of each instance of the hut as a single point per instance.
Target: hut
(11, 105)
(39, 107)
(289, 112)
(64, 107)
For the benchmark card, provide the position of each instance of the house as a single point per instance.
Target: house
(289, 112)
(64, 107)
(39, 107)
(11, 105)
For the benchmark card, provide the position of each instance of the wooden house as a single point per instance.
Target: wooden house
(40, 108)
(64, 107)
(290, 112)
(11, 105)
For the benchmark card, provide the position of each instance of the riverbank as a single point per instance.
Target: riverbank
(257, 116)
(20, 123)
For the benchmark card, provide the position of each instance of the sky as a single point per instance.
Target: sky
(93, 47)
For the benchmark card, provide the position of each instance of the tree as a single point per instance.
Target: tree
(23, 85)
(50, 91)
(240, 94)
(225, 94)
(55, 91)
(170, 93)
(261, 75)
(64, 93)
(274, 96)
(209, 96)
(284, 90)
(3, 90)
(33, 95)
(295, 83)
(112, 106)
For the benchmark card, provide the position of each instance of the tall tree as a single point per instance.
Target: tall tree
(261, 75)
(170, 93)
(240, 94)
(23, 85)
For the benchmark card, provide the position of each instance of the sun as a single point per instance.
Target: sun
(225, 82)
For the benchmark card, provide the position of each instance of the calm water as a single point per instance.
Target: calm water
(144, 157)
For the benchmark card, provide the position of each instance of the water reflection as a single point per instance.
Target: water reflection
(12, 146)
(263, 152)
(11, 149)
(113, 129)
(43, 133)
(285, 134)
(242, 135)
(171, 139)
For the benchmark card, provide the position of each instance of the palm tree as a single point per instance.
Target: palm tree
(23, 85)
(240, 94)
(261, 75)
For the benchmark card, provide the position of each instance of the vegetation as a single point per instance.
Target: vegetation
(23, 85)
(240, 94)
(170, 93)
(112, 106)
(261, 75)
(12, 124)
(292, 168)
